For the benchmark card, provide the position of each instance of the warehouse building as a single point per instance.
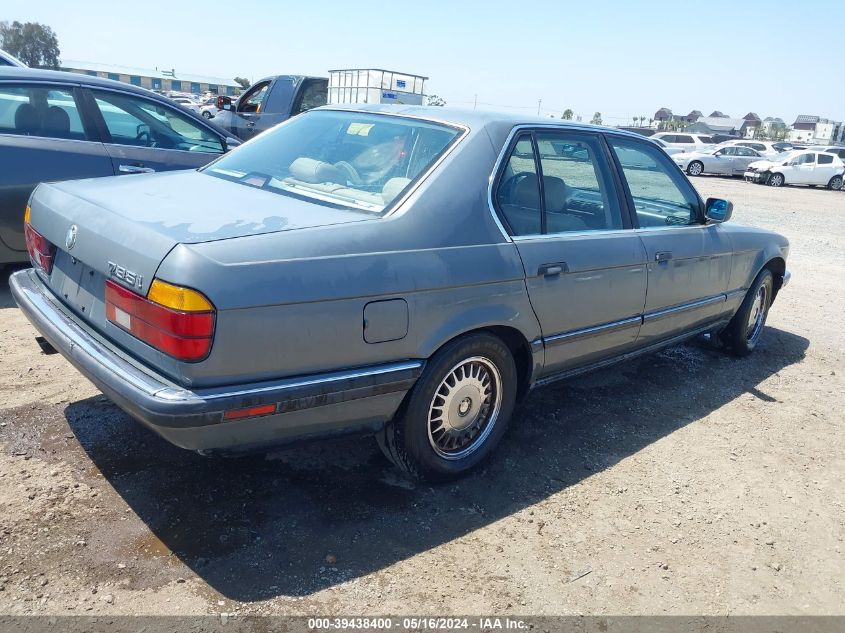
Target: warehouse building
(155, 79)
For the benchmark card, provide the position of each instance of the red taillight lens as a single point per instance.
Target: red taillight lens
(41, 252)
(183, 335)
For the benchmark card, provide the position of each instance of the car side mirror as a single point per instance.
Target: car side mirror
(717, 210)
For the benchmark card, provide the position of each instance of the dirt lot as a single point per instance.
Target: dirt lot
(688, 482)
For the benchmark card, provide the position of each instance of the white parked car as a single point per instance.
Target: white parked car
(839, 150)
(730, 160)
(185, 102)
(686, 142)
(764, 148)
(813, 168)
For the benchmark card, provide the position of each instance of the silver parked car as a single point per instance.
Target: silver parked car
(731, 160)
(404, 271)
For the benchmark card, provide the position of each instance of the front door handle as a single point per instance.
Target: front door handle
(552, 270)
(662, 256)
(134, 169)
(250, 124)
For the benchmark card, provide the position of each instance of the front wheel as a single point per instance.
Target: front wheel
(835, 183)
(456, 413)
(206, 114)
(776, 180)
(695, 168)
(743, 332)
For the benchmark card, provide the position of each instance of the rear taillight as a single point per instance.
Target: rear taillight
(177, 321)
(41, 251)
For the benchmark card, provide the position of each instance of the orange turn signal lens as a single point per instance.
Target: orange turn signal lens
(249, 412)
(178, 298)
(26, 215)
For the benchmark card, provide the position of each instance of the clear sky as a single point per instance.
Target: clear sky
(623, 59)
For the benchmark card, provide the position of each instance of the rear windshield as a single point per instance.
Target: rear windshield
(346, 159)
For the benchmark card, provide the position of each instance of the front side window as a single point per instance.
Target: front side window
(804, 159)
(705, 139)
(682, 138)
(251, 102)
(135, 121)
(728, 151)
(661, 194)
(40, 111)
(343, 159)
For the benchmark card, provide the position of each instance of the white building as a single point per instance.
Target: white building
(809, 128)
(155, 79)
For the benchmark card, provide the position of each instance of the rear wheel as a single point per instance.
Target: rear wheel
(695, 168)
(456, 413)
(776, 180)
(206, 114)
(743, 332)
(835, 183)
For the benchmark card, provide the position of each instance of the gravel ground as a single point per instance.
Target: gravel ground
(688, 483)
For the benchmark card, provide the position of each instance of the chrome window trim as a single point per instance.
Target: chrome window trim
(52, 139)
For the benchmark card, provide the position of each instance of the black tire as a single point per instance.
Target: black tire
(407, 440)
(835, 183)
(741, 335)
(697, 170)
(206, 114)
(776, 180)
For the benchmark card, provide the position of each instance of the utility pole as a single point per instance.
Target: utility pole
(475, 101)
(539, 101)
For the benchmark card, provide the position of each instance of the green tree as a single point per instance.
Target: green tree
(434, 100)
(567, 114)
(596, 120)
(243, 82)
(34, 44)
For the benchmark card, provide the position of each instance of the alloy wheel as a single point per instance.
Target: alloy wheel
(757, 315)
(465, 408)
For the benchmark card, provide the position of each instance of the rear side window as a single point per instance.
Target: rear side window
(40, 111)
(576, 194)
(825, 159)
(661, 194)
(132, 120)
(518, 193)
(705, 139)
(683, 138)
(314, 94)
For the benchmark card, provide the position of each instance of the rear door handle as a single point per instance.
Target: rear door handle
(663, 256)
(134, 169)
(552, 270)
(250, 124)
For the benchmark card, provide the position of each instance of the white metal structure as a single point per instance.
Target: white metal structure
(375, 85)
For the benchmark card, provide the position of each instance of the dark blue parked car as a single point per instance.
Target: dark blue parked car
(62, 126)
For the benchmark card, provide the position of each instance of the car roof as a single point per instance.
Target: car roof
(476, 119)
(11, 59)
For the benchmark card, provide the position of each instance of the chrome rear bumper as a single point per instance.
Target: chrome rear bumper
(315, 405)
